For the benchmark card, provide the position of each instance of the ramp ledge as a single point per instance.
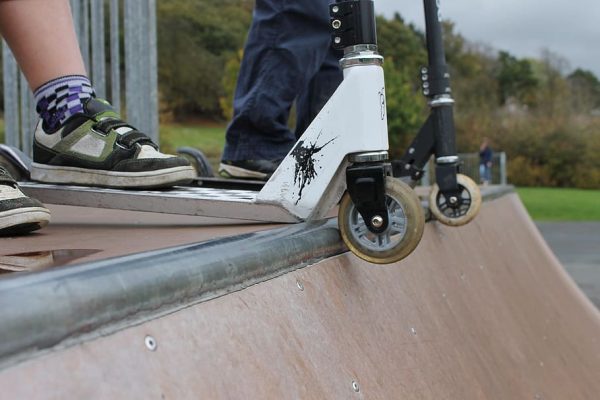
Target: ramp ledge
(61, 307)
(64, 306)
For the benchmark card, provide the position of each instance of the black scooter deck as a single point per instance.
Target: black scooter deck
(222, 183)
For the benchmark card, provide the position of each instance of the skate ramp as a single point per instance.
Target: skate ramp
(483, 311)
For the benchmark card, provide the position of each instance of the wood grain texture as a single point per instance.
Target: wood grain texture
(483, 311)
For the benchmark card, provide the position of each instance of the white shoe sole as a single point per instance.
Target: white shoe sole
(24, 216)
(237, 172)
(115, 179)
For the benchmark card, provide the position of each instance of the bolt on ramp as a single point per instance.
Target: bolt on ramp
(483, 311)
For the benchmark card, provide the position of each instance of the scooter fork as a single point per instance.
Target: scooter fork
(346, 147)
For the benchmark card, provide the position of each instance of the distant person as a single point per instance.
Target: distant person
(287, 57)
(79, 139)
(485, 162)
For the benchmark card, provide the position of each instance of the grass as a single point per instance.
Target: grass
(209, 139)
(553, 204)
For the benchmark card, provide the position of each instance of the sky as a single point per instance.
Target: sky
(569, 28)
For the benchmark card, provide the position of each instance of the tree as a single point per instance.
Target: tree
(585, 90)
(404, 51)
(195, 40)
(516, 79)
(405, 108)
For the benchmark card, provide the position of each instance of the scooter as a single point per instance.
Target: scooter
(455, 199)
(342, 158)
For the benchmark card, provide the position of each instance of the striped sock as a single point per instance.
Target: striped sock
(60, 98)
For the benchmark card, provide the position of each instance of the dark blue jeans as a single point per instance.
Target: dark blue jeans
(287, 58)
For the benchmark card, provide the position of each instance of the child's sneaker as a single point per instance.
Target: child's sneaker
(19, 214)
(96, 148)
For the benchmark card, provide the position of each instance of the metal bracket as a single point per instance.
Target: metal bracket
(445, 177)
(415, 158)
(366, 186)
(353, 23)
(435, 81)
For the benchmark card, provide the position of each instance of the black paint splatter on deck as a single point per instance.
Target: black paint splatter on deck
(305, 163)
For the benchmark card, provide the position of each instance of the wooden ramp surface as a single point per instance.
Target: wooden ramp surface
(97, 234)
(483, 311)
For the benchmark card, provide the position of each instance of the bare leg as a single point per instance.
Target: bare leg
(42, 37)
(97, 148)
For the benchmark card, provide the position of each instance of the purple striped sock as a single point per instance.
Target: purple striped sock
(61, 98)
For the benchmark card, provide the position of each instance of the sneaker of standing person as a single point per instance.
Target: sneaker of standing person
(19, 214)
(82, 140)
(248, 169)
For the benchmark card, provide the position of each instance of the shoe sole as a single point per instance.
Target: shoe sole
(113, 179)
(230, 171)
(23, 220)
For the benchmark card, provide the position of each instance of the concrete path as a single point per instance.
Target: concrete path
(577, 246)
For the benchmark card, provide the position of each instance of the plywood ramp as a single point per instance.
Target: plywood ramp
(479, 312)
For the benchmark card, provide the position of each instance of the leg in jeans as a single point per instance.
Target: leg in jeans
(286, 47)
(318, 91)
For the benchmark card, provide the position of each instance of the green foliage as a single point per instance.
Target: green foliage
(402, 43)
(209, 138)
(530, 110)
(587, 172)
(587, 87)
(474, 86)
(195, 40)
(516, 79)
(549, 152)
(543, 119)
(229, 81)
(405, 107)
(402, 47)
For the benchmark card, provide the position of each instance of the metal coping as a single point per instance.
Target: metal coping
(64, 306)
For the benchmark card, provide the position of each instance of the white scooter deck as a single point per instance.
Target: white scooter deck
(197, 201)
(219, 200)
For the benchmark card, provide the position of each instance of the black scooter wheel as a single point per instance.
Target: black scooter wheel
(12, 169)
(460, 211)
(198, 160)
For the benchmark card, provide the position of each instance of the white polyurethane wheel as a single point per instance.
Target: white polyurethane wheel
(470, 203)
(403, 234)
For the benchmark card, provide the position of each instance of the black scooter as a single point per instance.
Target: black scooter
(455, 199)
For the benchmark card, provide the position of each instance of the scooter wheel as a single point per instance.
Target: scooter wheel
(403, 234)
(198, 160)
(464, 210)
